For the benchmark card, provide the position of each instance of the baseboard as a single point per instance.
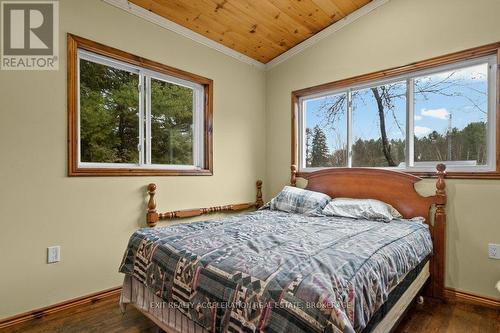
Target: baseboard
(449, 293)
(51, 309)
(461, 296)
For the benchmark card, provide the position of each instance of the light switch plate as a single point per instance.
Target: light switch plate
(494, 251)
(53, 254)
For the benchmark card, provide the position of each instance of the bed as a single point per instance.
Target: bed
(274, 271)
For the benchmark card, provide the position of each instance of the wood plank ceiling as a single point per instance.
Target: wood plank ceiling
(260, 29)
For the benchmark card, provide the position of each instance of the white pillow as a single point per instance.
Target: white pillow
(369, 209)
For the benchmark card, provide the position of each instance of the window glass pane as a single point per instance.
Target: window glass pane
(109, 107)
(379, 126)
(451, 112)
(171, 123)
(326, 131)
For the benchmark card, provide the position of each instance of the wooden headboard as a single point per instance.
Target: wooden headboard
(397, 189)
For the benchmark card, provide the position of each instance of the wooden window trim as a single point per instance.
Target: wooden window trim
(477, 52)
(75, 43)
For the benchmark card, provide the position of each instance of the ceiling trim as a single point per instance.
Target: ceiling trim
(177, 28)
(331, 29)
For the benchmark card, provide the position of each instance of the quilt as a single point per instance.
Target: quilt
(272, 271)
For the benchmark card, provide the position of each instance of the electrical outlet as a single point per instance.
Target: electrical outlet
(53, 254)
(494, 251)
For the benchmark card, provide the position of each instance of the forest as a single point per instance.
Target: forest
(379, 137)
(110, 126)
(466, 144)
(109, 118)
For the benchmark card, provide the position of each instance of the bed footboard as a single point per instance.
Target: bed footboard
(152, 217)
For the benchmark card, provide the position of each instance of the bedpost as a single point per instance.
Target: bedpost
(439, 235)
(258, 202)
(152, 216)
(293, 176)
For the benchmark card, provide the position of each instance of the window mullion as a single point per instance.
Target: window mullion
(140, 145)
(349, 128)
(302, 144)
(147, 119)
(410, 122)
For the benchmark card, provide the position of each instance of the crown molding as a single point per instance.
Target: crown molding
(174, 27)
(330, 30)
(179, 29)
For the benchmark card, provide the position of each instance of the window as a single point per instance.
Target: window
(451, 117)
(131, 116)
(379, 126)
(410, 121)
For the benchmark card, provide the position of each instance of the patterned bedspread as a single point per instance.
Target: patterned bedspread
(272, 271)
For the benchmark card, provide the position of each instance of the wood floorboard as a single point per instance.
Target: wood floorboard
(453, 317)
(105, 316)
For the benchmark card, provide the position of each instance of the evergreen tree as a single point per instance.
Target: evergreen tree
(468, 144)
(109, 110)
(171, 121)
(109, 116)
(319, 151)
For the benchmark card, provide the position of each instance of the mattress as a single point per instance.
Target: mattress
(277, 272)
(402, 293)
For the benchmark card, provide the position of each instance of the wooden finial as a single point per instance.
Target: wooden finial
(293, 176)
(258, 202)
(440, 184)
(152, 215)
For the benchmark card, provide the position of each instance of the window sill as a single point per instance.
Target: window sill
(429, 174)
(98, 172)
(459, 175)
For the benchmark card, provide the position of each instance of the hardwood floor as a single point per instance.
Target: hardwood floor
(105, 316)
(436, 317)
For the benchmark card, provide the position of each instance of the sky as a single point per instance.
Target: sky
(430, 114)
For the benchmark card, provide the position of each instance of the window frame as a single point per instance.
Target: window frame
(81, 48)
(408, 73)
